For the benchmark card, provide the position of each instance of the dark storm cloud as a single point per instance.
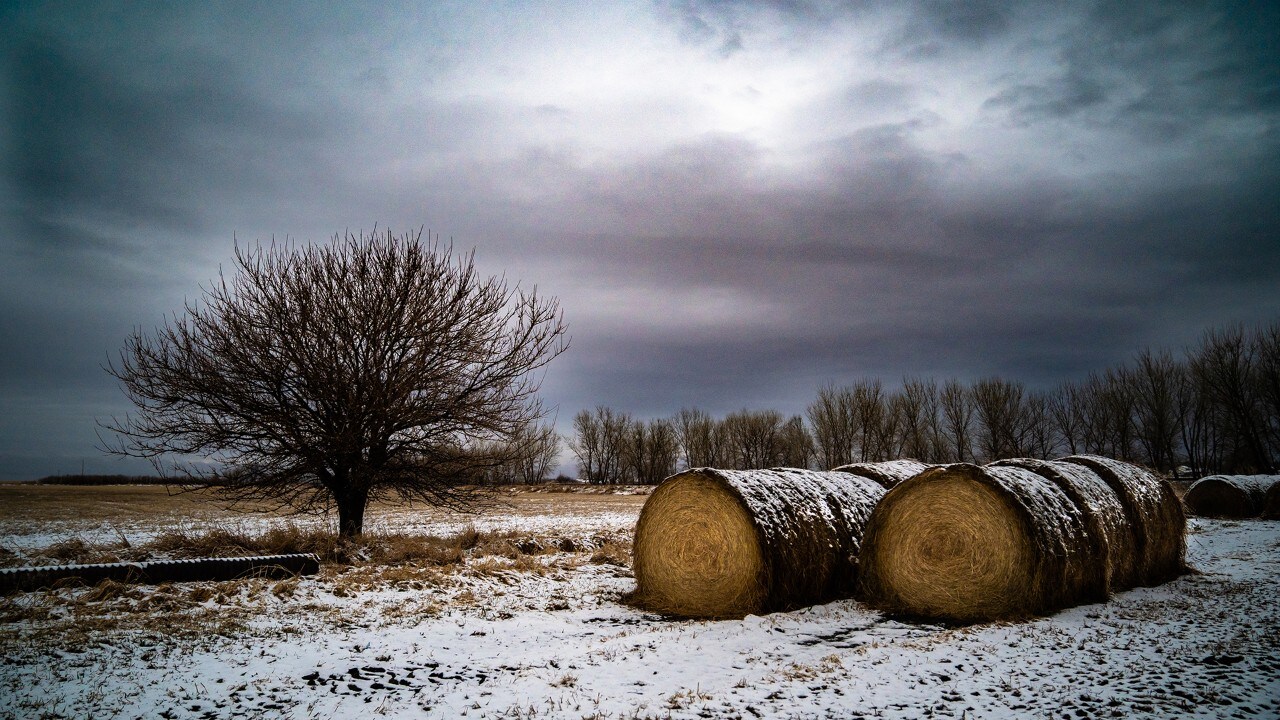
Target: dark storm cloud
(806, 193)
(93, 142)
(1158, 71)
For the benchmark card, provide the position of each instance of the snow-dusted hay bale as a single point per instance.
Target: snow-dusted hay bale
(888, 473)
(728, 543)
(1154, 513)
(1229, 496)
(1271, 502)
(968, 544)
(1103, 512)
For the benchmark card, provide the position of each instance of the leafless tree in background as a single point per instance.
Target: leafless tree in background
(1107, 408)
(599, 444)
(833, 416)
(1267, 381)
(1155, 379)
(957, 416)
(699, 438)
(872, 407)
(795, 444)
(1038, 438)
(651, 452)
(998, 406)
(752, 438)
(1226, 366)
(918, 412)
(370, 367)
(1067, 413)
(1219, 411)
(538, 446)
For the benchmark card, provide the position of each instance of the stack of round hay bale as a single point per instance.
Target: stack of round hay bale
(1235, 496)
(728, 543)
(1019, 537)
(887, 473)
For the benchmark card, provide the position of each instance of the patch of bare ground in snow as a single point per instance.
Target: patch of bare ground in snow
(526, 624)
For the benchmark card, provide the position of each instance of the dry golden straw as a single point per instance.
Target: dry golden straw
(967, 543)
(1154, 512)
(1229, 496)
(728, 543)
(888, 473)
(1109, 528)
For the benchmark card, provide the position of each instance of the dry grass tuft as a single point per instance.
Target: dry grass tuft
(9, 558)
(226, 542)
(613, 552)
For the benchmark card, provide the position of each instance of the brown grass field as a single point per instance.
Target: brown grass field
(28, 502)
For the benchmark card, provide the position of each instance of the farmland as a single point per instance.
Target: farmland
(520, 615)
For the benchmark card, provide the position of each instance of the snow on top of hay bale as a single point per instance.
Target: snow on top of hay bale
(726, 543)
(1229, 496)
(1154, 512)
(1103, 512)
(887, 473)
(1271, 502)
(968, 543)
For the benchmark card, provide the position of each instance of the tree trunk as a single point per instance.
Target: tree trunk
(351, 506)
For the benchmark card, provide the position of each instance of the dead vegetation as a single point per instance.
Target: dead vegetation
(432, 568)
(368, 549)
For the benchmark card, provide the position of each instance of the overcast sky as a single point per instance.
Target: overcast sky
(736, 202)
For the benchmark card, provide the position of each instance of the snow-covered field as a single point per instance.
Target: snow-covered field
(544, 635)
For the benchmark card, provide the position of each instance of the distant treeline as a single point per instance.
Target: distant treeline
(103, 480)
(1213, 409)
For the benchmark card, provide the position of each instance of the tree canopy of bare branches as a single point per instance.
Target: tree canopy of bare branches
(375, 366)
(1215, 410)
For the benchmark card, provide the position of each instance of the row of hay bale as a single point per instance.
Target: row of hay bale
(727, 543)
(1235, 496)
(958, 542)
(1020, 537)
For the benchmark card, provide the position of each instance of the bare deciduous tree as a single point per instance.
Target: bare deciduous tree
(795, 444)
(699, 438)
(1066, 412)
(651, 451)
(599, 444)
(1225, 364)
(918, 410)
(834, 418)
(1001, 419)
(1267, 352)
(957, 414)
(752, 438)
(371, 367)
(872, 408)
(1155, 379)
(535, 453)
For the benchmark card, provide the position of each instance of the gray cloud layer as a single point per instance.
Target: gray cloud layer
(736, 202)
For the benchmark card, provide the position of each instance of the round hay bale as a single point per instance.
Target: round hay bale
(1154, 512)
(728, 543)
(888, 473)
(1229, 496)
(1271, 501)
(968, 543)
(1104, 515)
